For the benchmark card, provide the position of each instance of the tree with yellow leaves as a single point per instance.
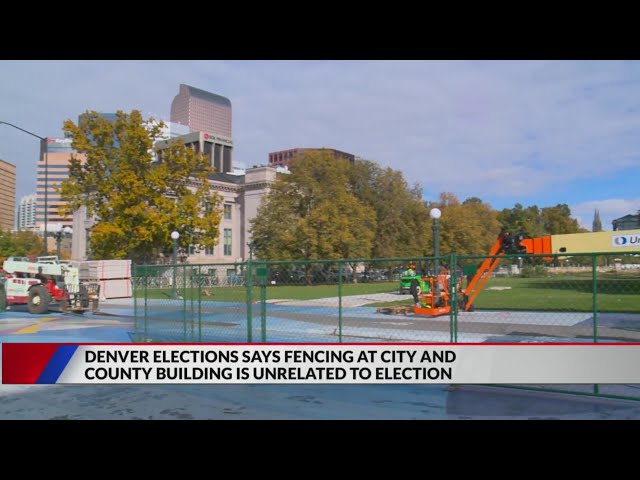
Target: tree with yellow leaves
(136, 202)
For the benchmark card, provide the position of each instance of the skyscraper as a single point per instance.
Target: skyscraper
(7, 195)
(26, 218)
(202, 111)
(59, 153)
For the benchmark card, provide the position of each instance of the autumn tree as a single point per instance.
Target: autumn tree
(467, 228)
(137, 203)
(312, 213)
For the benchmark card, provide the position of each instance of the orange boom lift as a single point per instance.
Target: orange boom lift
(436, 301)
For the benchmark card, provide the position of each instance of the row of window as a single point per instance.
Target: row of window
(227, 250)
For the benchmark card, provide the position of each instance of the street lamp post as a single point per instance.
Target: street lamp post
(58, 235)
(175, 236)
(435, 214)
(43, 151)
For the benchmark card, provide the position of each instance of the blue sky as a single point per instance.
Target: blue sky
(529, 132)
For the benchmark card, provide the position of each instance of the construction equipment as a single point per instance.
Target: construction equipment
(432, 294)
(47, 284)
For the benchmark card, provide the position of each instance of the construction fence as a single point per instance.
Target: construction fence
(555, 298)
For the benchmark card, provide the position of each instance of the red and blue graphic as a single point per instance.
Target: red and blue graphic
(34, 363)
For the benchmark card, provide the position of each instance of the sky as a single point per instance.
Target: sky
(530, 132)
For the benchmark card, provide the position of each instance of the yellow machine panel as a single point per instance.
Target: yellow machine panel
(596, 242)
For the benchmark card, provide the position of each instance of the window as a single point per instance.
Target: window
(226, 159)
(217, 157)
(227, 242)
(227, 211)
(208, 251)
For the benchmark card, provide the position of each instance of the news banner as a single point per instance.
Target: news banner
(49, 363)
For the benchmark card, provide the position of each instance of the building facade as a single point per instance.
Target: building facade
(218, 149)
(7, 195)
(202, 111)
(628, 222)
(283, 158)
(26, 214)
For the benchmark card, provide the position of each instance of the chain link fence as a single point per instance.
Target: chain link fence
(584, 298)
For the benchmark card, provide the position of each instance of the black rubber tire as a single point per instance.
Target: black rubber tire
(415, 290)
(38, 301)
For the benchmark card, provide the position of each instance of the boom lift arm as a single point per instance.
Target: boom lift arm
(506, 243)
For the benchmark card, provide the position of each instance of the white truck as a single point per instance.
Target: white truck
(47, 284)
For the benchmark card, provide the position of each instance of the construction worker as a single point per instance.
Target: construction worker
(410, 271)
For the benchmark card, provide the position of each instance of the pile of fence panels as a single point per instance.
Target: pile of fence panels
(113, 276)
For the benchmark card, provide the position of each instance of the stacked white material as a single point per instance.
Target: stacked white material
(113, 276)
(105, 269)
(115, 288)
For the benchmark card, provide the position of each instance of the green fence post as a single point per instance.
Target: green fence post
(184, 301)
(146, 297)
(340, 302)
(135, 302)
(453, 295)
(200, 278)
(249, 297)
(594, 275)
(263, 308)
(191, 299)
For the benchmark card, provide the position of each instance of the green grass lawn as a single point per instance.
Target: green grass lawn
(566, 293)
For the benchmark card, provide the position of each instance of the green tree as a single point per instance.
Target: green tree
(402, 226)
(137, 203)
(519, 219)
(19, 244)
(557, 220)
(312, 214)
(535, 222)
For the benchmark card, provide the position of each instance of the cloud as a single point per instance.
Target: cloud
(500, 130)
(610, 209)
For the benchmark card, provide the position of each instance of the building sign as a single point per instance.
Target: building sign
(625, 241)
(63, 142)
(216, 138)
